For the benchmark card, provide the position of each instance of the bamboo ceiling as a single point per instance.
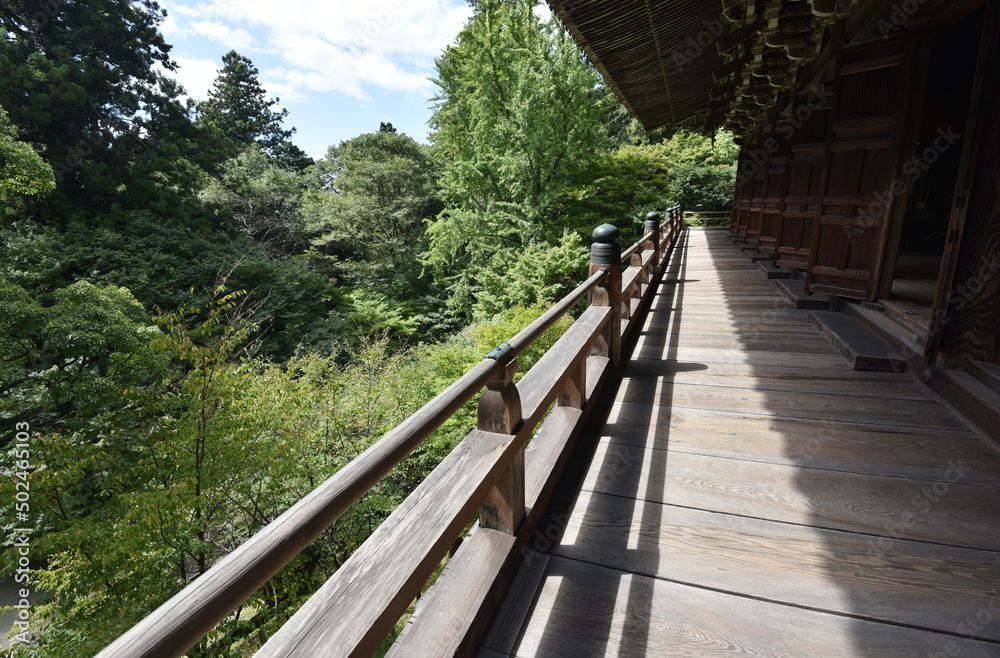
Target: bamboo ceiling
(658, 56)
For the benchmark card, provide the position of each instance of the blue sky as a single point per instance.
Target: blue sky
(340, 68)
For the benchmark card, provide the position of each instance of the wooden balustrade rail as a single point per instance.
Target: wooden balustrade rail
(353, 612)
(720, 217)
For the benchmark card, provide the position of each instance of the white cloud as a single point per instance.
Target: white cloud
(195, 75)
(341, 45)
(232, 38)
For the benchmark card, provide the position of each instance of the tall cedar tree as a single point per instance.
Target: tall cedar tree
(238, 106)
(83, 82)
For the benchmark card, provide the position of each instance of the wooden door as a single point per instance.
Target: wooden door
(805, 164)
(741, 197)
(758, 187)
(774, 202)
(862, 180)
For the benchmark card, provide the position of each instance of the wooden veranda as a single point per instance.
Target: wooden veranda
(750, 494)
(706, 474)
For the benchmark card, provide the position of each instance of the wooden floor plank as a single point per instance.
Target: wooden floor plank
(901, 452)
(588, 610)
(731, 353)
(909, 582)
(963, 515)
(795, 378)
(661, 398)
(727, 328)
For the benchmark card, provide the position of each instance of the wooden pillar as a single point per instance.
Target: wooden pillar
(605, 253)
(500, 411)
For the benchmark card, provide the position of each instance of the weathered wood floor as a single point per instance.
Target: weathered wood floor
(751, 495)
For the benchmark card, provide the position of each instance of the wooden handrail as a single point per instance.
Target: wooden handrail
(178, 624)
(627, 254)
(358, 606)
(182, 621)
(709, 215)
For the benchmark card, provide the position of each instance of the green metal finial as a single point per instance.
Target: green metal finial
(652, 221)
(605, 249)
(606, 233)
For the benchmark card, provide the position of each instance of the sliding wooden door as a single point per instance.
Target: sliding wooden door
(805, 163)
(758, 187)
(863, 180)
(774, 201)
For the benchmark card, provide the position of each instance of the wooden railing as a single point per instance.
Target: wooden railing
(357, 607)
(709, 217)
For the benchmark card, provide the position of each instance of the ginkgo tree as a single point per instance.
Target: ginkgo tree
(517, 112)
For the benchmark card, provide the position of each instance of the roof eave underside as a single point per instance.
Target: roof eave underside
(658, 57)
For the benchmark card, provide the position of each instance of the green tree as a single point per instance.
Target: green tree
(702, 170)
(375, 192)
(81, 80)
(59, 360)
(134, 498)
(542, 275)
(689, 148)
(703, 187)
(517, 113)
(365, 216)
(618, 187)
(262, 199)
(170, 265)
(23, 172)
(239, 108)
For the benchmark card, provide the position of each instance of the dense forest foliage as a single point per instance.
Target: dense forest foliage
(199, 323)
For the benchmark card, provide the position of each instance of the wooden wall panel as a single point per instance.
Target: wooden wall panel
(741, 196)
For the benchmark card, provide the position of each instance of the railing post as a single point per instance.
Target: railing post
(500, 412)
(652, 224)
(605, 253)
